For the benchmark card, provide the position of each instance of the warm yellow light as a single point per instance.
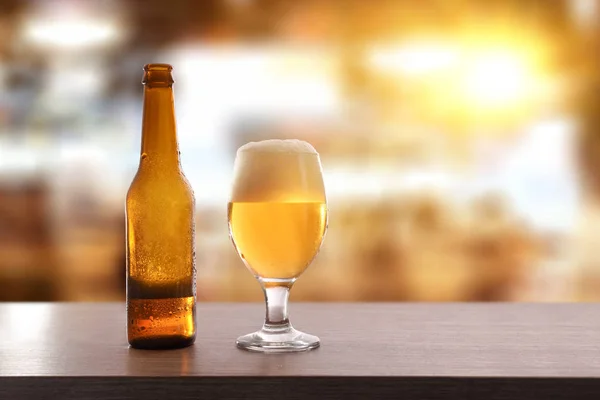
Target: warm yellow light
(496, 79)
(497, 76)
(414, 58)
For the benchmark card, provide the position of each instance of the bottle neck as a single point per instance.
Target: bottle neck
(159, 135)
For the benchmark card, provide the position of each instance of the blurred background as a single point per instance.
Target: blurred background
(460, 140)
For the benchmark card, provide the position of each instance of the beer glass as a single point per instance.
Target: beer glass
(277, 220)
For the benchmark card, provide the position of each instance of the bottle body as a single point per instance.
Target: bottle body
(161, 298)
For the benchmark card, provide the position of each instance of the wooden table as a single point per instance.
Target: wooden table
(369, 351)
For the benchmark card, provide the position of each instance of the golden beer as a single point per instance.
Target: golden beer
(277, 217)
(277, 240)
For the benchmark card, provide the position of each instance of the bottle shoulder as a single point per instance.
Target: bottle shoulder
(166, 183)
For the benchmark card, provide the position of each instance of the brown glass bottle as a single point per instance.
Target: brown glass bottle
(161, 271)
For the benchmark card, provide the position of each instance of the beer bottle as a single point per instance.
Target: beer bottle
(161, 271)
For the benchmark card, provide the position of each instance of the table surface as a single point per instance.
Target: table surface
(502, 340)
(485, 340)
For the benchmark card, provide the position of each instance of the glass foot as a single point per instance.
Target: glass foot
(286, 341)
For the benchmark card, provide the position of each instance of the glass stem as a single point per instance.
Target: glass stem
(276, 298)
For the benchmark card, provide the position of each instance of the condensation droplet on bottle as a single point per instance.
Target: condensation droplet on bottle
(144, 156)
(151, 318)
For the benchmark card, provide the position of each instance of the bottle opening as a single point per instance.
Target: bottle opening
(158, 75)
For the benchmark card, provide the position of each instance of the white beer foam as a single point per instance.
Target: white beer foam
(277, 171)
(279, 146)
